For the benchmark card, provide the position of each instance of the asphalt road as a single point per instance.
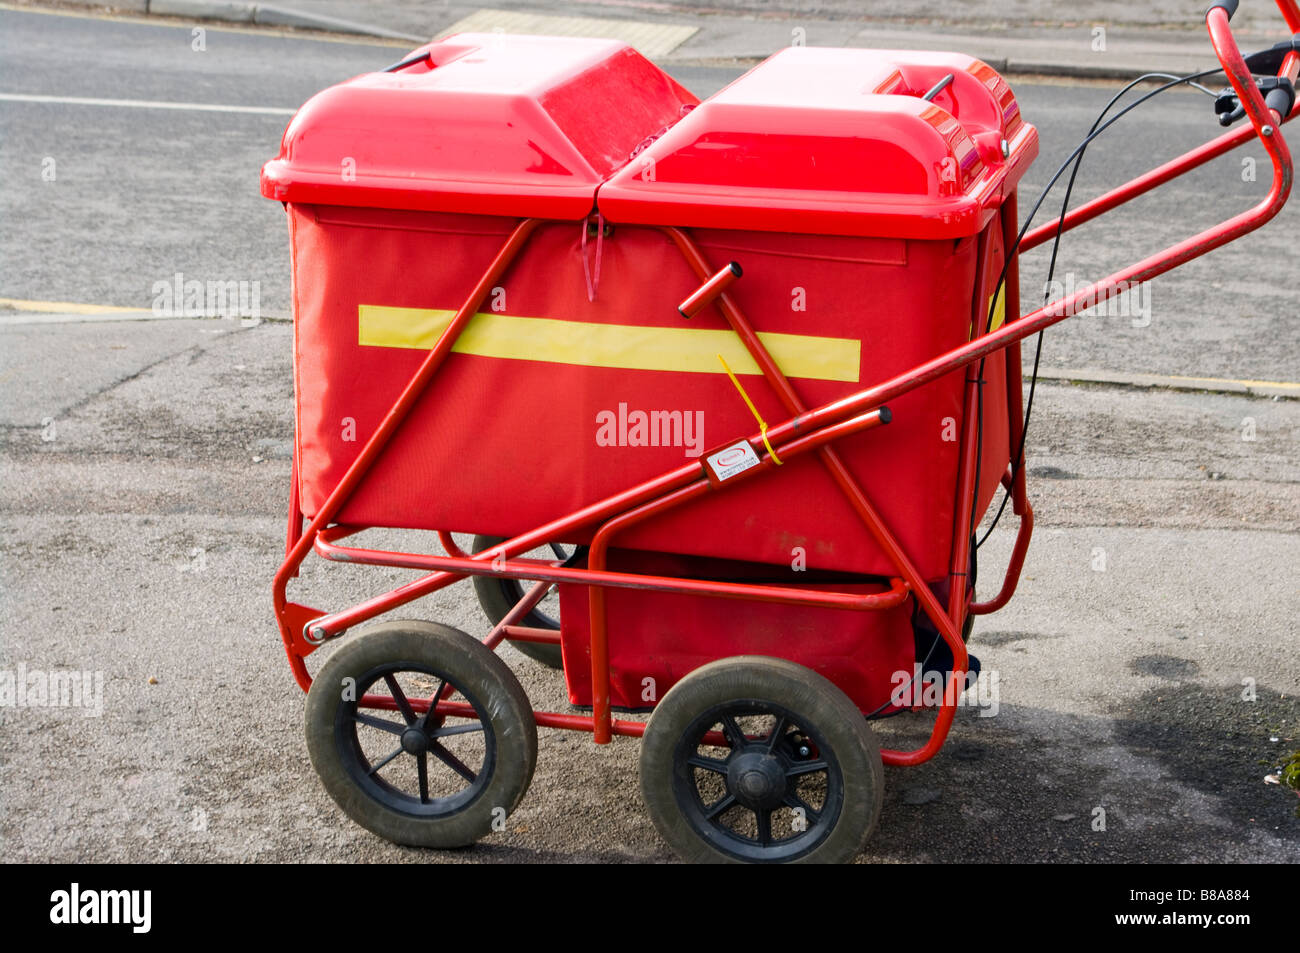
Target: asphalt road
(141, 194)
(146, 466)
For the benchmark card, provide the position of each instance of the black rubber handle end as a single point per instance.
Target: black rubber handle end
(1228, 6)
(1281, 98)
(886, 415)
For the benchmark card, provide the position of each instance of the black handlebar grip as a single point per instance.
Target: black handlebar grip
(1281, 98)
(1229, 7)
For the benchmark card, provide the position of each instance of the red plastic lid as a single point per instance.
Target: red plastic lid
(484, 124)
(839, 142)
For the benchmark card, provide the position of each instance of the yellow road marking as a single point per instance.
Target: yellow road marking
(1285, 385)
(65, 307)
(1175, 381)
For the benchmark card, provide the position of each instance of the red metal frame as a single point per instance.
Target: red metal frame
(806, 430)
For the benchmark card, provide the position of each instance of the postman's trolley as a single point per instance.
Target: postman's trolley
(737, 379)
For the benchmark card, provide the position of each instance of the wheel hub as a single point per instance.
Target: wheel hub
(414, 741)
(757, 778)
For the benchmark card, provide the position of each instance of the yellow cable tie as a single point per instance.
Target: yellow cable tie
(762, 424)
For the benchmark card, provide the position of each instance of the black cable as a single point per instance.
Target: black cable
(1078, 150)
(1051, 272)
(916, 673)
(1075, 158)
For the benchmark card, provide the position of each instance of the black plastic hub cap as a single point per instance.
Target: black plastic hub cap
(769, 793)
(758, 779)
(414, 741)
(420, 735)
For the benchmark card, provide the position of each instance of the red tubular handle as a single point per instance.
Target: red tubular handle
(1267, 122)
(1291, 14)
(710, 291)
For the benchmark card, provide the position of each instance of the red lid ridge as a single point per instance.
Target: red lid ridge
(836, 141)
(487, 124)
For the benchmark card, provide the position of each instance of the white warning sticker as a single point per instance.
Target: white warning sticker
(729, 461)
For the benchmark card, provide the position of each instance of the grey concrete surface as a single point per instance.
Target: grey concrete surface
(204, 9)
(144, 475)
(140, 542)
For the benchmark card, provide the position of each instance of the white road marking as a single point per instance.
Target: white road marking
(20, 319)
(10, 320)
(145, 104)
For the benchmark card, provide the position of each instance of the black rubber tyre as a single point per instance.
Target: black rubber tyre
(814, 770)
(497, 596)
(485, 765)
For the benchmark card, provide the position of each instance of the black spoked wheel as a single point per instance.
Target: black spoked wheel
(760, 760)
(498, 596)
(398, 766)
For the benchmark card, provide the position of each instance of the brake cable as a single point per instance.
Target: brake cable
(1075, 159)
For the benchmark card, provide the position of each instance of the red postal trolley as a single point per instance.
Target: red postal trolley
(738, 378)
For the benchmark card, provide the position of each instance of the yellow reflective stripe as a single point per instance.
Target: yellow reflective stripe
(998, 316)
(999, 310)
(633, 347)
